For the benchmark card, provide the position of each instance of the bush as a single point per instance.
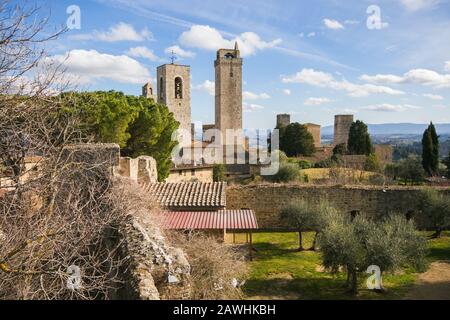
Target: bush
(411, 170)
(372, 163)
(219, 172)
(287, 172)
(214, 265)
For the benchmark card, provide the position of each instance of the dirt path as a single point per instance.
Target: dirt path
(433, 284)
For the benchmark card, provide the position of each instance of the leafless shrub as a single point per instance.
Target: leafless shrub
(214, 266)
(66, 212)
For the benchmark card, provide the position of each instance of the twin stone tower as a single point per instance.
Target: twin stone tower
(174, 90)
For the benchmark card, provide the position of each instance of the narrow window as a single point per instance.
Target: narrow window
(178, 88)
(161, 89)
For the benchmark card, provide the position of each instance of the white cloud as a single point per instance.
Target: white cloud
(351, 22)
(417, 76)
(89, 66)
(433, 96)
(386, 107)
(414, 5)
(120, 32)
(143, 52)
(179, 52)
(326, 80)
(250, 107)
(247, 95)
(287, 92)
(311, 34)
(447, 66)
(207, 86)
(316, 101)
(333, 24)
(207, 38)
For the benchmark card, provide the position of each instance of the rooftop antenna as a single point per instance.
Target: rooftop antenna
(173, 57)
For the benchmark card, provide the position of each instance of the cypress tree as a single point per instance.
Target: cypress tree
(430, 150)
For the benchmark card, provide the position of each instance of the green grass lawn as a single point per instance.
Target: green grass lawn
(280, 272)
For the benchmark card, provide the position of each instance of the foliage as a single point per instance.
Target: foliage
(288, 172)
(410, 170)
(359, 244)
(139, 125)
(403, 151)
(151, 133)
(430, 150)
(219, 172)
(359, 141)
(447, 163)
(372, 163)
(436, 206)
(295, 140)
(340, 149)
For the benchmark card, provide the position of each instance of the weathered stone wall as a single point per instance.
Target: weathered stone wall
(142, 169)
(267, 200)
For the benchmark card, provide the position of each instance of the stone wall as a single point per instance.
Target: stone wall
(267, 200)
(142, 169)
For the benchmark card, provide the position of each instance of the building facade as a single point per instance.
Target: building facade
(174, 90)
(228, 101)
(342, 125)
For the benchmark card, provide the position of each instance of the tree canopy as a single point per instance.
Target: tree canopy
(430, 150)
(295, 140)
(139, 125)
(359, 142)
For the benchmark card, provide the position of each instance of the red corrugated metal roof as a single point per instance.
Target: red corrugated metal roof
(210, 220)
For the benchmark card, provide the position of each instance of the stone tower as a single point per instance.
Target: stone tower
(228, 67)
(283, 120)
(174, 90)
(342, 124)
(148, 92)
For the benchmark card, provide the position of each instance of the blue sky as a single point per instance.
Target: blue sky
(313, 59)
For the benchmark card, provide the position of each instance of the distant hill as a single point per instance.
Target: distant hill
(397, 128)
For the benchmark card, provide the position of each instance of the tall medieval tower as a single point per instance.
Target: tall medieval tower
(228, 67)
(174, 90)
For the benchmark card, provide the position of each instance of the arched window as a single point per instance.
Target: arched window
(161, 88)
(178, 88)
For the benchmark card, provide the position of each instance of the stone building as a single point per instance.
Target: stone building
(342, 124)
(228, 101)
(315, 130)
(283, 120)
(174, 90)
(148, 92)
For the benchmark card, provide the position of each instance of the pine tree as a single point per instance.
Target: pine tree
(359, 141)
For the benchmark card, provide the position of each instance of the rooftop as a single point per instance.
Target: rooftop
(189, 195)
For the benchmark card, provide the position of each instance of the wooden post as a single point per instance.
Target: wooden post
(251, 246)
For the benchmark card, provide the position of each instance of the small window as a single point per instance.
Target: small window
(192, 172)
(161, 89)
(178, 88)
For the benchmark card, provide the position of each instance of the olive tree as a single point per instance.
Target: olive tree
(437, 207)
(356, 245)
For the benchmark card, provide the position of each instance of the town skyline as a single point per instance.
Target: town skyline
(324, 62)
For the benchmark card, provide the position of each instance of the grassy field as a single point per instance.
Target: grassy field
(280, 272)
(324, 173)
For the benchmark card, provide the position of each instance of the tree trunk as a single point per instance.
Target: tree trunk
(437, 234)
(313, 247)
(300, 244)
(354, 281)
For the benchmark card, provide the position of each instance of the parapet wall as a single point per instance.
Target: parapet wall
(267, 200)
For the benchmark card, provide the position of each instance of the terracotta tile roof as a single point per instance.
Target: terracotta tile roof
(189, 195)
(211, 220)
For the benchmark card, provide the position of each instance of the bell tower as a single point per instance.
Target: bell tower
(174, 90)
(228, 102)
